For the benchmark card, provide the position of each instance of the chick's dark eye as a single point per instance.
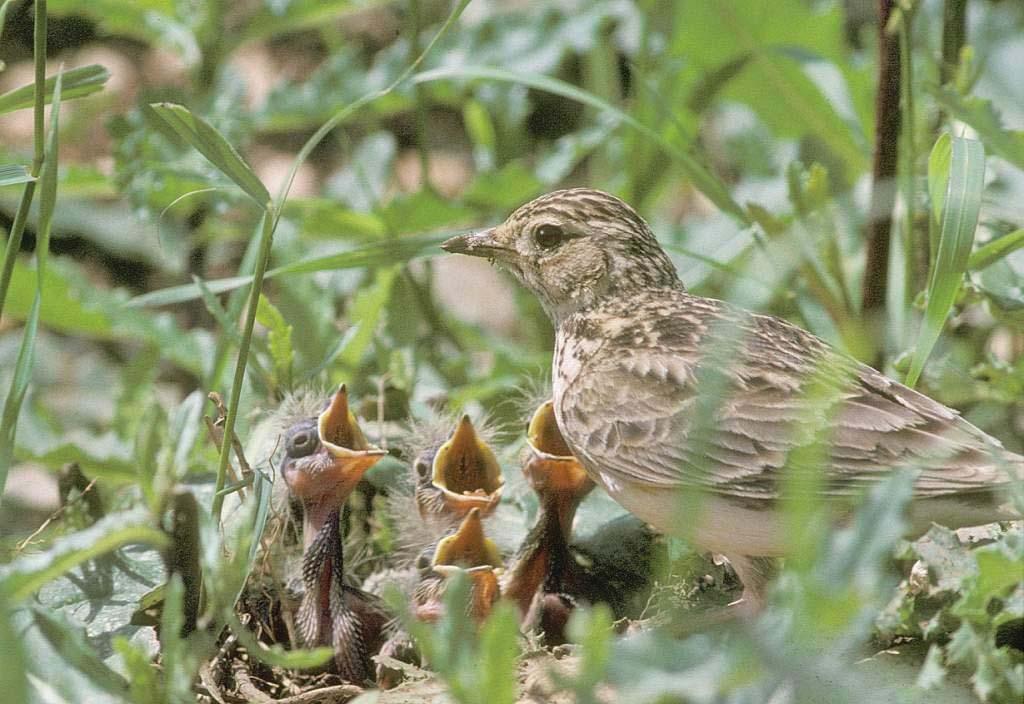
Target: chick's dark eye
(422, 468)
(548, 236)
(301, 443)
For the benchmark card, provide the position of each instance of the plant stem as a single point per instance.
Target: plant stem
(266, 240)
(39, 151)
(415, 22)
(915, 248)
(883, 186)
(954, 31)
(954, 34)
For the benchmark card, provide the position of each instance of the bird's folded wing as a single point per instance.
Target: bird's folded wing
(729, 423)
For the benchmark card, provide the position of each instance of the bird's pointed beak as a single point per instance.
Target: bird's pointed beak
(478, 244)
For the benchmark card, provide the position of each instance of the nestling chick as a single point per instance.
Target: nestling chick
(324, 459)
(689, 412)
(544, 578)
(467, 550)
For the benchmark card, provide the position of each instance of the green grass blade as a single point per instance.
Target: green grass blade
(276, 655)
(350, 109)
(960, 207)
(13, 174)
(262, 259)
(994, 251)
(3, 16)
(78, 83)
(393, 251)
(704, 180)
(26, 353)
(13, 674)
(211, 144)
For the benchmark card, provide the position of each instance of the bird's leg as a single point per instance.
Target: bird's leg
(754, 573)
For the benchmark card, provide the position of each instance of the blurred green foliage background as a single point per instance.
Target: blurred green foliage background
(742, 130)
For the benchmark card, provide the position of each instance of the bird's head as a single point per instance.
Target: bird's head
(572, 248)
(467, 551)
(324, 459)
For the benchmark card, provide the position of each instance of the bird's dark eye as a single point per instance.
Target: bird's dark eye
(549, 236)
(301, 443)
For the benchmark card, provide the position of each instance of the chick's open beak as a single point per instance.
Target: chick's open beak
(551, 467)
(466, 551)
(343, 438)
(478, 244)
(467, 472)
(467, 548)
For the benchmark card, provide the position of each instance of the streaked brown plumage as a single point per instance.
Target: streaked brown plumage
(662, 394)
(323, 461)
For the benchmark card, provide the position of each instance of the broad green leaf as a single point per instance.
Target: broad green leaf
(271, 19)
(152, 21)
(142, 675)
(211, 144)
(13, 682)
(955, 238)
(78, 82)
(366, 310)
(76, 651)
(981, 115)
(938, 174)
(503, 189)
(423, 211)
(703, 180)
(104, 455)
(499, 649)
(392, 251)
(995, 250)
(326, 218)
(75, 306)
(13, 174)
(768, 53)
(279, 339)
(26, 574)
